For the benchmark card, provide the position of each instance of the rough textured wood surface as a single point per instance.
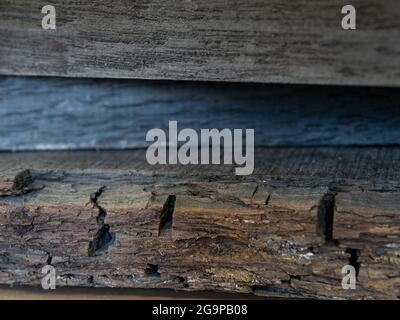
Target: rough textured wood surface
(282, 234)
(54, 113)
(254, 41)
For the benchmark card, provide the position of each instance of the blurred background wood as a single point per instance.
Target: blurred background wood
(57, 113)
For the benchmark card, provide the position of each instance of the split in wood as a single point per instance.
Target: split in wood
(103, 238)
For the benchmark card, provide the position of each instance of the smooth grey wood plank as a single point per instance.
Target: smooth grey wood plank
(59, 113)
(279, 41)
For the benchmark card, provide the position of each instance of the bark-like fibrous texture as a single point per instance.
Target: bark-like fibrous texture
(273, 235)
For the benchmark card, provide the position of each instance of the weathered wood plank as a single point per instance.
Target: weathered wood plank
(262, 234)
(377, 164)
(54, 113)
(253, 41)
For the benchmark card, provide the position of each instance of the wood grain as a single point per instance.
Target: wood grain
(248, 41)
(377, 164)
(263, 234)
(56, 113)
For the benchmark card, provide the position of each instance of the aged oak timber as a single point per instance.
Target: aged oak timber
(296, 41)
(104, 220)
(57, 113)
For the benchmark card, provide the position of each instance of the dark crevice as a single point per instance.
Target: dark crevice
(152, 270)
(326, 211)
(184, 282)
(268, 199)
(101, 216)
(166, 216)
(353, 259)
(257, 287)
(94, 201)
(49, 258)
(103, 238)
(254, 191)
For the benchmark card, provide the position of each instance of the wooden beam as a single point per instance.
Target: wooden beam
(54, 113)
(276, 41)
(276, 235)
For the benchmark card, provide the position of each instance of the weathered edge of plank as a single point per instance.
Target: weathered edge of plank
(374, 164)
(262, 234)
(47, 113)
(266, 41)
(90, 293)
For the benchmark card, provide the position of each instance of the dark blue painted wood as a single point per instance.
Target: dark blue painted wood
(59, 113)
